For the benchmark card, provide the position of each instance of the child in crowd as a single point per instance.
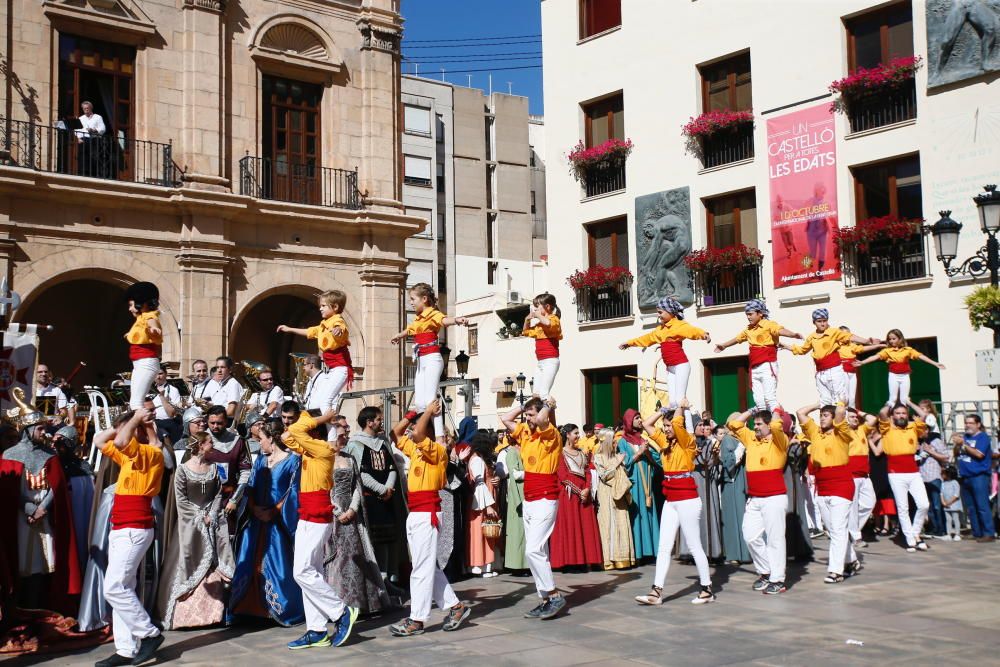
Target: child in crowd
(951, 498)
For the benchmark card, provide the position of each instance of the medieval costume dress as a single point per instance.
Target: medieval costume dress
(733, 481)
(232, 455)
(479, 548)
(645, 492)
(351, 568)
(199, 563)
(613, 500)
(262, 579)
(80, 477)
(511, 467)
(576, 539)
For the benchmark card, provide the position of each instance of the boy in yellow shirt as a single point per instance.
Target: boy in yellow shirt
(825, 344)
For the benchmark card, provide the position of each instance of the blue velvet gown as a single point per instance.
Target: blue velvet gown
(646, 501)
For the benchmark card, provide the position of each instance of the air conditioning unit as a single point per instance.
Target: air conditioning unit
(513, 296)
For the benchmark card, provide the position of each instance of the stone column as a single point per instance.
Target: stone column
(381, 164)
(205, 304)
(381, 288)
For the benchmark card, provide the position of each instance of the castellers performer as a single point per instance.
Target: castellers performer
(542, 324)
(145, 339)
(825, 344)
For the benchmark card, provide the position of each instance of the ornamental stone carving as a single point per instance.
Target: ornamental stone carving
(663, 238)
(962, 39)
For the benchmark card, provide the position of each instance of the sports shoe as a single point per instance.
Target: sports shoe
(311, 639)
(407, 628)
(147, 649)
(762, 582)
(911, 550)
(652, 598)
(775, 588)
(922, 546)
(344, 626)
(537, 611)
(956, 538)
(113, 660)
(555, 604)
(704, 596)
(456, 616)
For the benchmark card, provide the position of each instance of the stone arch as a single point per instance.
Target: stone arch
(292, 44)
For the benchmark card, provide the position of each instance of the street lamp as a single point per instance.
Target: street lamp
(520, 381)
(508, 386)
(989, 209)
(462, 363)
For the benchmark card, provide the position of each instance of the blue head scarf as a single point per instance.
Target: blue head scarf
(757, 305)
(672, 306)
(821, 314)
(467, 428)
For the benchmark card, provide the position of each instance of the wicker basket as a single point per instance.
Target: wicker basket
(492, 529)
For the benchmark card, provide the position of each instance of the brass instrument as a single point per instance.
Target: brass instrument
(301, 380)
(251, 371)
(24, 414)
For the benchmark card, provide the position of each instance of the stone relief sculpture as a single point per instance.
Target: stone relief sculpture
(663, 238)
(961, 39)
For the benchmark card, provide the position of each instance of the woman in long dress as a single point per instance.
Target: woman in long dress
(262, 580)
(641, 469)
(613, 500)
(482, 506)
(734, 496)
(199, 563)
(510, 468)
(576, 539)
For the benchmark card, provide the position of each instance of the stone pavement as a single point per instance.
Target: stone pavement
(937, 607)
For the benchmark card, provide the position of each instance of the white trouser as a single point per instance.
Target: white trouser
(143, 375)
(831, 385)
(677, 388)
(546, 376)
(318, 598)
(126, 549)
(813, 519)
(852, 389)
(836, 513)
(333, 386)
(764, 384)
(539, 520)
(427, 581)
(901, 484)
(861, 506)
(425, 387)
(685, 514)
(764, 533)
(899, 388)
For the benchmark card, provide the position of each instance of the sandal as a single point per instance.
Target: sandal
(704, 596)
(407, 628)
(833, 578)
(652, 599)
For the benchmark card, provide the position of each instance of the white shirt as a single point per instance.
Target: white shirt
(262, 399)
(173, 397)
(229, 391)
(52, 390)
(92, 122)
(198, 390)
(313, 394)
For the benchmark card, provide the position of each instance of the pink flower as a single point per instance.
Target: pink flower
(611, 153)
(711, 122)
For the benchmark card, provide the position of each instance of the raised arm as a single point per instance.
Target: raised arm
(127, 431)
(544, 416)
(420, 428)
(649, 423)
(509, 420)
(917, 410)
(803, 412)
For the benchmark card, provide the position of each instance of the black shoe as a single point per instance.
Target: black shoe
(113, 661)
(147, 649)
(537, 611)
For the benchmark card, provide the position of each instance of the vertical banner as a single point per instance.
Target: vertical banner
(17, 363)
(802, 168)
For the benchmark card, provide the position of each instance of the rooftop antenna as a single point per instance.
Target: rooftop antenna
(491, 84)
(470, 80)
(416, 69)
(510, 88)
(442, 74)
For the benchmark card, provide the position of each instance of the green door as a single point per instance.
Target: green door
(925, 380)
(610, 393)
(726, 386)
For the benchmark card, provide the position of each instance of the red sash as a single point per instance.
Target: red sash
(677, 487)
(145, 351)
(425, 501)
(835, 481)
(539, 485)
(859, 465)
(902, 463)
(315, 506)
(762, 354)
(900, 367)
(131, 512)
(340, 357)
(766, 483)
(831, 360)
(672, 353)
(428, 342)
(849, 366)
(546, 348)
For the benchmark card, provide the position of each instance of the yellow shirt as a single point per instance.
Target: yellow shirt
(430, 320)
(553, 330)
(901, 441)
(317, 457)
(823, 344)
(763, 334)
(896, 355)
(141, 468)
(851, 350)
(767, 454)
(859, 441)
(831, 448)
(428, 464)
(675, 329)
(540, 449)
(139, 334)
(324, 336)
(588, 444)
(676, 454)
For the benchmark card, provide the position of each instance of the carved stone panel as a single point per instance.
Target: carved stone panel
(662, 239)
(962, 39)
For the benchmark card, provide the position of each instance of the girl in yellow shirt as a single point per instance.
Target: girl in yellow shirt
(542, 324)
(898, 355)
(145, 339)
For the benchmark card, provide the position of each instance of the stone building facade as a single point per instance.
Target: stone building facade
(251, 159)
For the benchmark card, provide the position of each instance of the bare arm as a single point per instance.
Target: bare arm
(451, 321)
(284, 328)
(509, 420)
(719, 347)
(420, 428)
(869, 360)
(787, 333)
(153, 326)
(925, 358)
(649, 423)
(919, 411)
(803, 412)
(127, 431)
(543, 417)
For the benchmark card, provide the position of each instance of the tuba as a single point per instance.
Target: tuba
(301, 380)
(251, 372)
(25, 414)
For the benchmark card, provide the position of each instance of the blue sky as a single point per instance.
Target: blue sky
(486, 30)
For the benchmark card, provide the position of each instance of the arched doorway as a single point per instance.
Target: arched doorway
(90, 319)
(256, 338)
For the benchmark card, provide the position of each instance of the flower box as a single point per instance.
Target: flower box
(599, 277)
(723, 132)
(864, 83)
(714, 261)
(886, 229)
(609, 155)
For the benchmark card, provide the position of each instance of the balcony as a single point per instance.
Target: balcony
(727, 146)
(62, 151)
(727, 286)
(601, 180)
(279, 180)
(885, 261)
(594, 304)
(883, 108)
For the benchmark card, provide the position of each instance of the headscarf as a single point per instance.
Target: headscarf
(757, 305)
(821, 314)
(467, 428)
(672, 306)
(632, 435)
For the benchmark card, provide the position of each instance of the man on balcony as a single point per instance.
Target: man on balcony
(88, 141)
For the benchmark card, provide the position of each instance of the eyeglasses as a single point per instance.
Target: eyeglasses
(198, 422)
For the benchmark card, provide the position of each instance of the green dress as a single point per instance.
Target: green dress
(734, 501)
(514, 522)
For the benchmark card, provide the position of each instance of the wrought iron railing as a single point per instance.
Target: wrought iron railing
(883, 108)
(66, 151)
(594, 304)
(604, 179)
(719, 288)
(280, 180)
(727, 146)
(886, 261)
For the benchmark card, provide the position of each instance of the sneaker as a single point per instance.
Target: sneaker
(537, 611)
(956, 538)
(922, 546)
(704, 596)
(555, 604)
(407, 628)
(652, 598)
(854, 568)
(911, 550)
(833, 578)
(311, 639)
(113, 660)
(775, 588)
(344, 626)
(147, 649)
(456, 616)
(762, 582)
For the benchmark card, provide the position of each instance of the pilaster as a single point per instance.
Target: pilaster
(381, 290)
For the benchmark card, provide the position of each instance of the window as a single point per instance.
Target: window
(442, 230)
(889, 188)
(531, 156)
(604, 120)
(596, 16)
(732, 219)
(417, 170)
(290, 139)
(475, 392)
(426, 215)
(417, 120)
(725, 85)
(877, 37)
(473, 333)
(533, 207)
(440, 177)
(608, 243)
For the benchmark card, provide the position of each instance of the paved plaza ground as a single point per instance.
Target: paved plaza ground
(933, 608)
